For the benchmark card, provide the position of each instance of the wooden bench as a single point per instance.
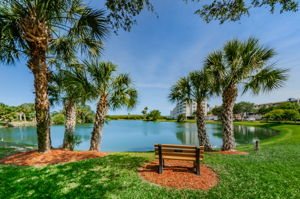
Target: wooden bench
(179, 152)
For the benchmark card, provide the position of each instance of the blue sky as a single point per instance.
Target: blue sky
(160, 50)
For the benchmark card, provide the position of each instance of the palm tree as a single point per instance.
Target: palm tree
(29, 28)
(70, 86)
(113, 92)
(144, 112)
(242, 65)
(195, 87)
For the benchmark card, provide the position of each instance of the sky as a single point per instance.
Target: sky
(160, 50)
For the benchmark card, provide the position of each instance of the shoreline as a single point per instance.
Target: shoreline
(17, 124)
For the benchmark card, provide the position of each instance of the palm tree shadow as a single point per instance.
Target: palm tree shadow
(97, 177)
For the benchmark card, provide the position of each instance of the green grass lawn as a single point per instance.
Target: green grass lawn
(273, 172)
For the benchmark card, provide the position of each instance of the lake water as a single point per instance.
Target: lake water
(132, 135)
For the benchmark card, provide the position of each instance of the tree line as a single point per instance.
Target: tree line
(26, 112)
(153, 115)
(23, 112)
(288, 111)
(84, 115)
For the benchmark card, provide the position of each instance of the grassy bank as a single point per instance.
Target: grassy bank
(273, 172)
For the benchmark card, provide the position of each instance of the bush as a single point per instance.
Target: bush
(282, 114)
(181, 118)
(58, 119)
(154, 115)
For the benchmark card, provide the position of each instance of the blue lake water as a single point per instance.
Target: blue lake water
(135, 135)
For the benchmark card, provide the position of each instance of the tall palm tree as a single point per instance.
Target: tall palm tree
(113, 92)
(70, 86)
(242, 64)
(29, 28)
(196, 87)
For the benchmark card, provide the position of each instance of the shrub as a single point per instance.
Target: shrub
(181, 118)
(58, 119)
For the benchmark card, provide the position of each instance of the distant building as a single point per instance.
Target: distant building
(258, 106)
(187, 109)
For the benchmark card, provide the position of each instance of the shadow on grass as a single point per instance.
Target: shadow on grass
(96, 177)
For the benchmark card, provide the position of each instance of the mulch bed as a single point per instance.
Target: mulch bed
(179, 174)
(55, 156)
(232, 152)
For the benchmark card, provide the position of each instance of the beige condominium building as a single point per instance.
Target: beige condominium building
(296, 100)
(186, 108)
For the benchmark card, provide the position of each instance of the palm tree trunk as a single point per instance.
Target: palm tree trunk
(42, 104)
(202, 135)
(37, 36)
(102, 109)
(70, 109)
(229, 97)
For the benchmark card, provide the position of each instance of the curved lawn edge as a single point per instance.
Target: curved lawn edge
(286, 131)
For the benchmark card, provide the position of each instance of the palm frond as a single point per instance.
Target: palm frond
(91, 24)
(216, 67)
(181, 91)
(266, 80)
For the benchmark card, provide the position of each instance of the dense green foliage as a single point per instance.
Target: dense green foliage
(273, 172)
(282, 114)
(243, 107)
(84, 115)
(13, 113)
(239, 108)
(217, 111)
(289, 111)
(181, 118)
(58, 118)
(227, 10)
(121, 13)
(154, 115)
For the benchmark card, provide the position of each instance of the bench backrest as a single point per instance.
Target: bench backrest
(179, 152)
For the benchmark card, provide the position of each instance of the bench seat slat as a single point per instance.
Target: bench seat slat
(179, 158)
(176, 146)
(177, 154)
(177, 150)
(171, 146)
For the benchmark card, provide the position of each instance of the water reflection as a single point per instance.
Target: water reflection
(138, 135)
(187, 134)
(248, 134)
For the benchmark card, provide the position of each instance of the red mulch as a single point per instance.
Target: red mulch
(232, 152)
(55, 156)
(179, 174)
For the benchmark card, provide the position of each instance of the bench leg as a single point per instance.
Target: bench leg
(160, 168)
(198, 161)
(198, 168)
